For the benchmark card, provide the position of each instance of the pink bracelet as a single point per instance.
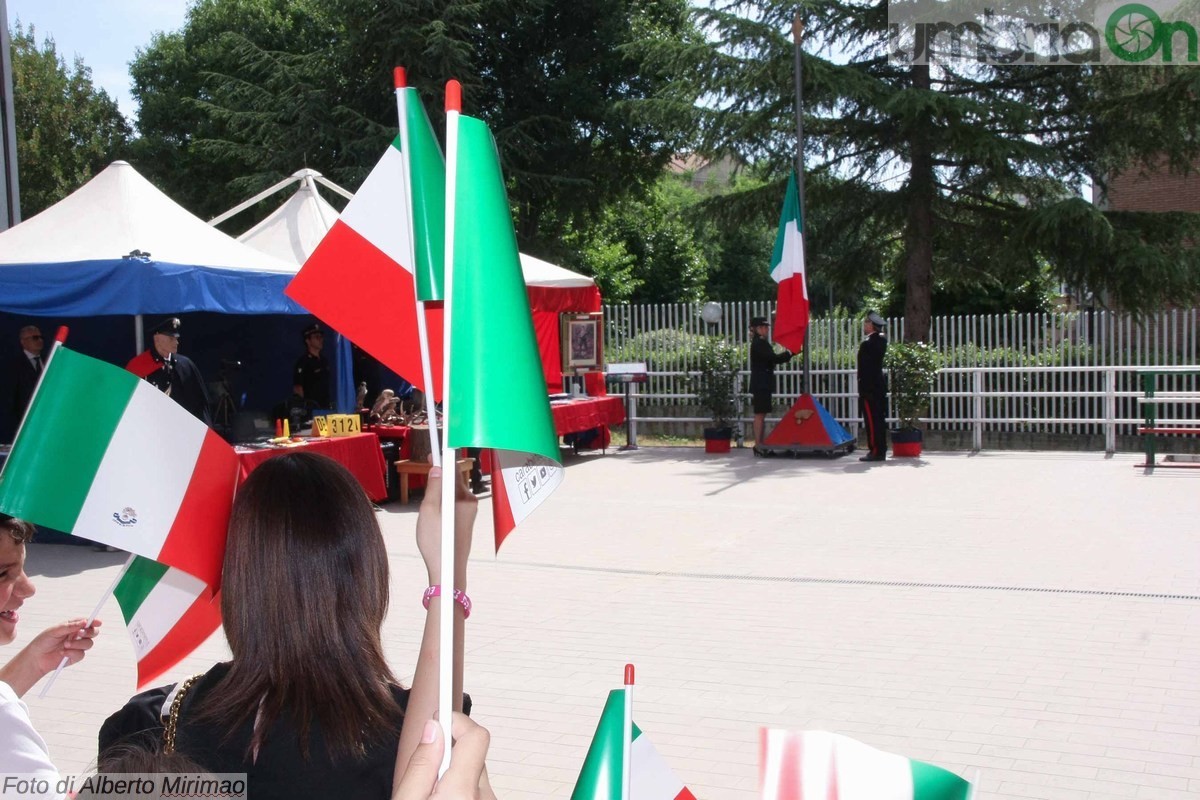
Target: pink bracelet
(460, 597)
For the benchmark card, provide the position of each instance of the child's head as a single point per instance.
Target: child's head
(15, 585)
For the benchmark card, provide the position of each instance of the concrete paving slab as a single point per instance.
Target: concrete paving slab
(1033, 617)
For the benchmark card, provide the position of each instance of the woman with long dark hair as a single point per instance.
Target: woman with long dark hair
(308, 706)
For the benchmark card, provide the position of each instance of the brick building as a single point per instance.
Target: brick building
(1156, 190)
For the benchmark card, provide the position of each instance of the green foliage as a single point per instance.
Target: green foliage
(251, 90)
(963, 177)
(643, 249)
(67, 129)
(663, 348)
(715, 379)
(912, 368)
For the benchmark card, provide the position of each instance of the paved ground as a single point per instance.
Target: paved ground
(1034, 618)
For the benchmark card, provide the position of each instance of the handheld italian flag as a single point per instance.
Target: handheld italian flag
(492, 349)
(370, 269)
(603, 776)
(787, 270)
(168, 614)
(106, 456)
(798, 765)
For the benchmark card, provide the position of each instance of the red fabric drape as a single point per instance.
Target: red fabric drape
(546, 304)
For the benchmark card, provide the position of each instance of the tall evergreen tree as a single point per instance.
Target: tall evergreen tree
(67, 129)
(260, 85)
(969, 176)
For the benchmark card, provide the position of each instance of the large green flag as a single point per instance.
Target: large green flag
(497, 392)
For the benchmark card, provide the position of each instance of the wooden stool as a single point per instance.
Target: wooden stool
(406, 467)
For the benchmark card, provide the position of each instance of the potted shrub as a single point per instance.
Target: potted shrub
(912, 368)
(715, 385)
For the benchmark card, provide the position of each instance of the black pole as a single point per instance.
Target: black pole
(797, 32)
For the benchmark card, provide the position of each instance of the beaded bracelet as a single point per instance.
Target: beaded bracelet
(460, 597)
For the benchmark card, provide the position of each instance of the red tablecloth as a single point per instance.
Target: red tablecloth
(582, 415)
(359, 453)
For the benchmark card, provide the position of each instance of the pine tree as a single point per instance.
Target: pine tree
(963, 176)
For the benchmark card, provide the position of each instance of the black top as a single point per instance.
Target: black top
(187, 387)
(763, 359)
(24, 378)
(280, 772)
(870, 364)
(312, 375)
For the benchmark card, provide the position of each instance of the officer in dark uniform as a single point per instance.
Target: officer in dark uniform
(310, 379)
(872, 386)
(763, 359)
(171, 373)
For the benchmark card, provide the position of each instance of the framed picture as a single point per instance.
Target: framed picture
(581, 342)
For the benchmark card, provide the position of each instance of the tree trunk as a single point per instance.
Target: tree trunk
(918, 266)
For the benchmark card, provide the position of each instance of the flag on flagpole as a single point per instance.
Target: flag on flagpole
(787, 270)
(494, 350)
(106, 456)
(168, 614)
(797, 765)
(650, 777)
(360, 280)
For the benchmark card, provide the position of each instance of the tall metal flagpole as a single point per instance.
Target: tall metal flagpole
(797, 34)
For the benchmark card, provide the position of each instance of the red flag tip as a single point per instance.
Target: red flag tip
(61, 335)
(399, 77)
(453, 95)
(629, 674)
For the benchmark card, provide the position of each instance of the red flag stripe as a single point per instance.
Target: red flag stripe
(199, 622)
(371, 300)
(191, 545)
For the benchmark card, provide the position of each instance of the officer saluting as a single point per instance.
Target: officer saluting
(872, 386)
(173, 374)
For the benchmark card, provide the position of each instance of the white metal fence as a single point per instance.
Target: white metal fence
(1065, 375)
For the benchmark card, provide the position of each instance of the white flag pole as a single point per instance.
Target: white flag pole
(400, 80)
(90, 620)
(449, 471)
(627, 735)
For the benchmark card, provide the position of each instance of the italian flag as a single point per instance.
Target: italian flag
(787, 270)
(106, 456)
(168, 614)
(650, 777)
(367, 273)
(818, 765)
(493, 351)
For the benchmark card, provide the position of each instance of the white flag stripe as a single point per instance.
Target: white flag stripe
(652, 779)
(167, 602)
(816, 760)
(150, 441)
(528, 480)
(791, 263)
(377, 212)
(865, 773)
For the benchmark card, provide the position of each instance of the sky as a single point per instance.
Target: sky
(105, 33)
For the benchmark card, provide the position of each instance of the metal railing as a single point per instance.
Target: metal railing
(1072, 374)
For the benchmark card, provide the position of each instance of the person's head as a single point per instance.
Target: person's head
(31, 339)
(759, 326)
(873, 323)
(314, 339)
(304, 596)
(130, 759)
(165, 337)
(15, 585)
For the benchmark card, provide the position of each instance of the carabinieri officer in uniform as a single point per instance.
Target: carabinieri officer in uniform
(872, 386)
(173, 374)
(310, 379)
